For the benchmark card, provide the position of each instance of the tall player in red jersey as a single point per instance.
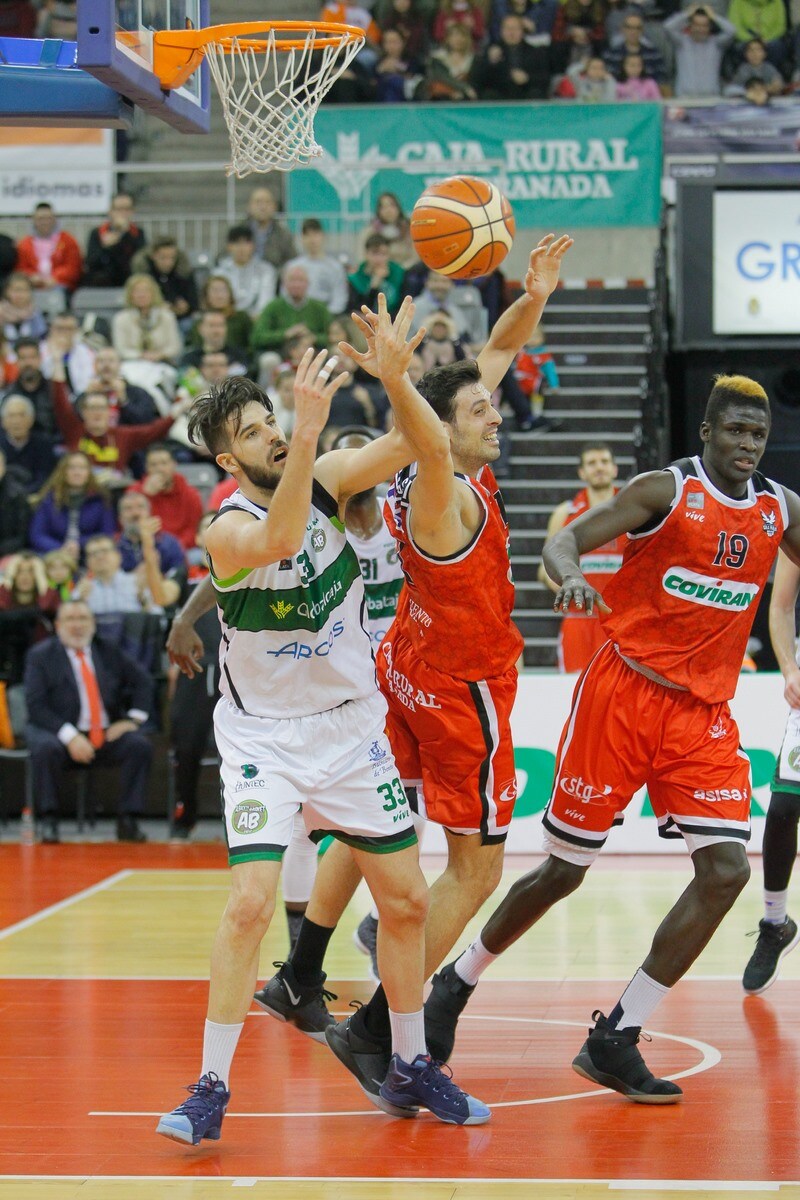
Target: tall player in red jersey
(651, 708)
(581, 634)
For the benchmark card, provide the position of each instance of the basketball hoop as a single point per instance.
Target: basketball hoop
(270, 86)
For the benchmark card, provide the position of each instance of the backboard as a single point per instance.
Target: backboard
(115, 46)
(41, 85)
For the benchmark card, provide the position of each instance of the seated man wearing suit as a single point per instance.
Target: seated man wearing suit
(86, 702)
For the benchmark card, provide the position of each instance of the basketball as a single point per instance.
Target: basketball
(462, 227)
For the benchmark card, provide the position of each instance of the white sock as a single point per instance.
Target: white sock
(638, 1001)
(219, 1045)
(408, 1034)
(775, 906)
(473, 962)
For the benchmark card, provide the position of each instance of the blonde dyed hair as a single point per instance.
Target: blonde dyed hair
(729, 390)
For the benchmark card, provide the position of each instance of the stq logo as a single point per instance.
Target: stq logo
(758, 261)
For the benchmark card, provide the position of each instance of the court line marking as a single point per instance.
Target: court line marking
(710, 1057)
(489, 979)
(661, 1185)
(52, 909)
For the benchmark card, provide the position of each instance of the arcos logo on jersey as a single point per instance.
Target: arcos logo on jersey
(708, 591)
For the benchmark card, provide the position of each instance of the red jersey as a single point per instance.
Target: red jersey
(685, 597)
(456, 611)
(597, 566)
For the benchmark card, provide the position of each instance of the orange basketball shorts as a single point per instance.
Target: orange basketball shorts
(623, 732)
(579, 639)
(451, 740)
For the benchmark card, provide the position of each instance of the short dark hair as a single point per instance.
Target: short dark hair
(159, 448)
(240, 233)
(376, 241)
(210, 413)
(25, 343)
(161, 243)
(440, 385)
(312, 225)
(81, 401)
(364, 431)
(730, 391)
(43, 204)
(603, 447)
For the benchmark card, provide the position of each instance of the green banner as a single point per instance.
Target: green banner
(564, 166)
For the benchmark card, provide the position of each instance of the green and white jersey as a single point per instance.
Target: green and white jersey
(383, 579)
(294, 636)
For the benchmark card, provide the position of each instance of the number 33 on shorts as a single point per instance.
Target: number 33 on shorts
(394, 793)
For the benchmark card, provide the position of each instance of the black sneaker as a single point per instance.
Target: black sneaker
(368, 1060)
(445, 1004)
(610, 1057)
(298, 1004)
(773, 942)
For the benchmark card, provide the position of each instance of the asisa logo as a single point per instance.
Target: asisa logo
(303, 650)
(710, 592)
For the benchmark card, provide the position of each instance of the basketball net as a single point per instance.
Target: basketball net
(270, 95)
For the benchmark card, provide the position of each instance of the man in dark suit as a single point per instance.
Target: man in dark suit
(86, 703)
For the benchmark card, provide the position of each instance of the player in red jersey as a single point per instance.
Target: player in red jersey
(448, 663)
(581, 634)
(651, 708)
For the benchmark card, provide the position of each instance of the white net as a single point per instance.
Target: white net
(270, 96)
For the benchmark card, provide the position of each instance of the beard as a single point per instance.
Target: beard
(266, 478)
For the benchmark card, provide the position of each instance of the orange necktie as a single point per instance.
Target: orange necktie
(96, 734)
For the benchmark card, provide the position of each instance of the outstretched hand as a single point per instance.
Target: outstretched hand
(314, 389)
(393, 348)
(545, 265)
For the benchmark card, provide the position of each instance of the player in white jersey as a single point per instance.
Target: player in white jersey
(300, 722)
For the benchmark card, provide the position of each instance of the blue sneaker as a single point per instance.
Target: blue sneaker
(200, 1116)
(429, 1084)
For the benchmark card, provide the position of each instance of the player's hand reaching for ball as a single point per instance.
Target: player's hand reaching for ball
(367, 322)
(314, 387)
(577, 594)
(545, 266)
(393, 347)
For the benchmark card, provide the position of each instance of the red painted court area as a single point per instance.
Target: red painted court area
(81, 1049)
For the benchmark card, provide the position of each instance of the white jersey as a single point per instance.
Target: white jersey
(383, 579)
(294, 636)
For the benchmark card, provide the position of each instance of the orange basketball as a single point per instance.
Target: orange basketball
(462, 227)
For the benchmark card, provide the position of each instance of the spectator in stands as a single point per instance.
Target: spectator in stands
(536, 373)
(755, 93)
(19, 315)
(9, 368)
(146, 327)
(700, 37)
(393, 225)
(172, 498)
(352, 404)
(212, 338)
(282, 396)
(254, 281)
(227, 486)
(107, 588)
(172, 272)
(274, 243)
(396, 72)
(755, 66)
(403, 17)
(448, 72)
(62, 570)
(762, 19)
(459, 12)
(579, 32)
(87, 701)
(29, 455)
(50, 256)
(537, 16)
(291, 312)
(327, 279)
(442, 345)
(214, 366)
(634, 84)
(14, 512)
(134, 510)
(130, 405)
(112, 246)
(632, 41)
(590, 82)
(510, 69)
(25, 585)
(88, 427)
(350, 14)
(8, 257)
(217, 296)
(460, 301)
(64, 348)
(58, 19)
(31, 383)
(376, 274)
(70, 508)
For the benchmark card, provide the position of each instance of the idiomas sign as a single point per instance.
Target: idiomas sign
(575, 165)
(543, 703)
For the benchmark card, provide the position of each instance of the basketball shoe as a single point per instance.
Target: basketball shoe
(366, 940)
(426, 1084)
(367, 1058)
(773, 942)
(610, 1057)
(445, 1004)
(298, 1004)
(200, 1116)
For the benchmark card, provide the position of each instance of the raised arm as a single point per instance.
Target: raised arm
(782, 626)
(515, 327)
(645, 497)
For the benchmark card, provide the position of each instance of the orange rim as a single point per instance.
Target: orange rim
(177, 53)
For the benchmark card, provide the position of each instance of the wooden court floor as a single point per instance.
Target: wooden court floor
(103, 968)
